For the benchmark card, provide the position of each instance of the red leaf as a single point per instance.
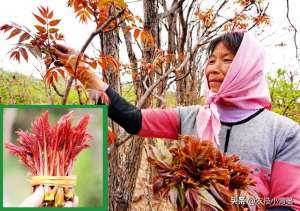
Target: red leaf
(18, 57)
(43, 12)
(53, 30)
(54, 22)
(48, 75)
(24, 36)
(24, 53)
(14, 33)
(136, 33)
(111, 136)
(15, 55)
(157, 184)
(5, 27)
(93, 64)
(61, 72)
(147, 38)
(50, 15)
(50, 149)
(103, 64)
(76, 4)
(40, 19)
(41, 29)
(55, 75)
(59, 36)
(192, 198)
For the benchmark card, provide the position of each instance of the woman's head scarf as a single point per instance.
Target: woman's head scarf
(244, 87)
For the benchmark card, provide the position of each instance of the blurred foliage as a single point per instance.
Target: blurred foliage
(88, 166)
(16, 88)
(285, 93)
(129, 95)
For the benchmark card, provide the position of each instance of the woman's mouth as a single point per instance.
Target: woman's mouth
(215, 81)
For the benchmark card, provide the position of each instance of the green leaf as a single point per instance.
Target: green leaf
(209, 198)
(181, 196)
(173, 195)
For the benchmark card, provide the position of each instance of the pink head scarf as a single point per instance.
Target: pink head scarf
(244, 87)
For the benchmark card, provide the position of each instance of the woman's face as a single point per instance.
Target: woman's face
(218, 65)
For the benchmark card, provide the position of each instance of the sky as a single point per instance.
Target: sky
(20, 11)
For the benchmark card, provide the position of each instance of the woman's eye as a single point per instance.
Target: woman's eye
(211, 61)
(228, 60)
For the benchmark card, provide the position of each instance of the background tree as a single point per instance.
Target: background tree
(285, 93)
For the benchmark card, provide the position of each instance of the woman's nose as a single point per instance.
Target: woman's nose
(213, 68)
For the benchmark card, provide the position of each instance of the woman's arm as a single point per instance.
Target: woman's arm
(158, 123)
(120, 111)
(285, 177)
(162, 123)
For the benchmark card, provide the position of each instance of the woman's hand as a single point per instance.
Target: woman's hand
(68, 57)
(37, 197)
(92, 83)
(73, 203)
(63, 52)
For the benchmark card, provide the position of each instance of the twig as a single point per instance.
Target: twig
(171, 10)
(56, 90)
(215, 15)
(78, 93)
(153, 94)
(294, 28)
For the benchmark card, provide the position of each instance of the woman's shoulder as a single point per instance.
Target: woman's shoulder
(187, 112)
(279, 119)
(284, 126)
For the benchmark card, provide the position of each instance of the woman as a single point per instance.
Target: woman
(236, 116)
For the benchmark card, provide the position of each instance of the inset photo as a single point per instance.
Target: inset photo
(53, 156)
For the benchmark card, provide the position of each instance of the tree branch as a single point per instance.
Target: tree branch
(56, 90)
(171, 10)
(84, 47)
(294, 28)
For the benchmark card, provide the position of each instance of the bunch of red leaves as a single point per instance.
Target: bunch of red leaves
(194, 175)
(38, 42)
(51, 150)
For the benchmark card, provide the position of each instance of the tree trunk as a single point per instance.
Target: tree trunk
(111, 47)
(125, 161)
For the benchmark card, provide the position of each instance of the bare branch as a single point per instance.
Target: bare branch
(216, 14)
(153, 94)
(56, 90)
(172, 10)
(294, 28)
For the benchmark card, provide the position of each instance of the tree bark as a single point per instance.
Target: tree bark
(125, 161)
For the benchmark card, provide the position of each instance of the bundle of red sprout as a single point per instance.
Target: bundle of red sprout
(50, 151)
(195, 175)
